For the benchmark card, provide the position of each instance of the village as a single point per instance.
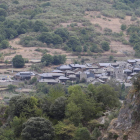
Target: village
(121, 71)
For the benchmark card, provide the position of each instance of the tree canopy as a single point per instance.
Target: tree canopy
(18, 61)
(37, 128)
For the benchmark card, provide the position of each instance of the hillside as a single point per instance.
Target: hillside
(89, 23)
(66, 67)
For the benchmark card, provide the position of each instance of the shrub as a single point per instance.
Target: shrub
(123, 27)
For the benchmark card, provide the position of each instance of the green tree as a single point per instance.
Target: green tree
(57, 109)
(107, 96)
(37, 128)
(4, 44)
(82, 134)
(47, 58)
(55, 92)
(7, 134)
(96, 133)
(65, 130)
(17, 125)
(59, 59)
(57, 39)
(39, 26)
(74, 113)
(94, 48)
(105, 46)
(46, 37)
(134, 38)
(92, 90)
(18, 61)
(82, 101)
(25, 105)
(73, 43)
(63, 33)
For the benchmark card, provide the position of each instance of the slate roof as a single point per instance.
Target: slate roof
(136, 69)
(131, 61)
(98, 71)
(45, 75)
(132, 74)
(77, 66)
(51, 74)
(104, 64)
(78, 72)
(72, 76)
(127, 70)
(69, 72)
(26, 73)
(48, 81)
(57, 71)
(138, 60)
(64, 67)
(63, 78)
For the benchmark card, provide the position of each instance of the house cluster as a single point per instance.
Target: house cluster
(122, 71)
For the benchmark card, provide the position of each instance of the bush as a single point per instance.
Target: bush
(11, 87)
(33, 80)
(123, 27)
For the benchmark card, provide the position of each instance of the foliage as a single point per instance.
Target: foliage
(26, 106)
(7, 134)
(4, 44)
(111, 58)
(123, 27)
(105, 46)
(82, 104)
(11, 87)
(56, 59)
(82, 134)
(17, 125)
(57, 109)
(55, 92)
(65, 130)
(63, 33)
(33, 80)
(18, 61)
(47, 58)
(42, 87)
(37, 128)
(74, 113)
(73, 43)
(107, 96)
(96, 133)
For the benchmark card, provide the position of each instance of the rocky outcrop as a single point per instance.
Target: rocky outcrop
(127, 125)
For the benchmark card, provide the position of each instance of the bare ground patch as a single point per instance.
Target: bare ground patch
(29, 52)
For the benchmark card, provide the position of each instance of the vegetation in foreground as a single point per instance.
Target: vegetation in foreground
(60, 113)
